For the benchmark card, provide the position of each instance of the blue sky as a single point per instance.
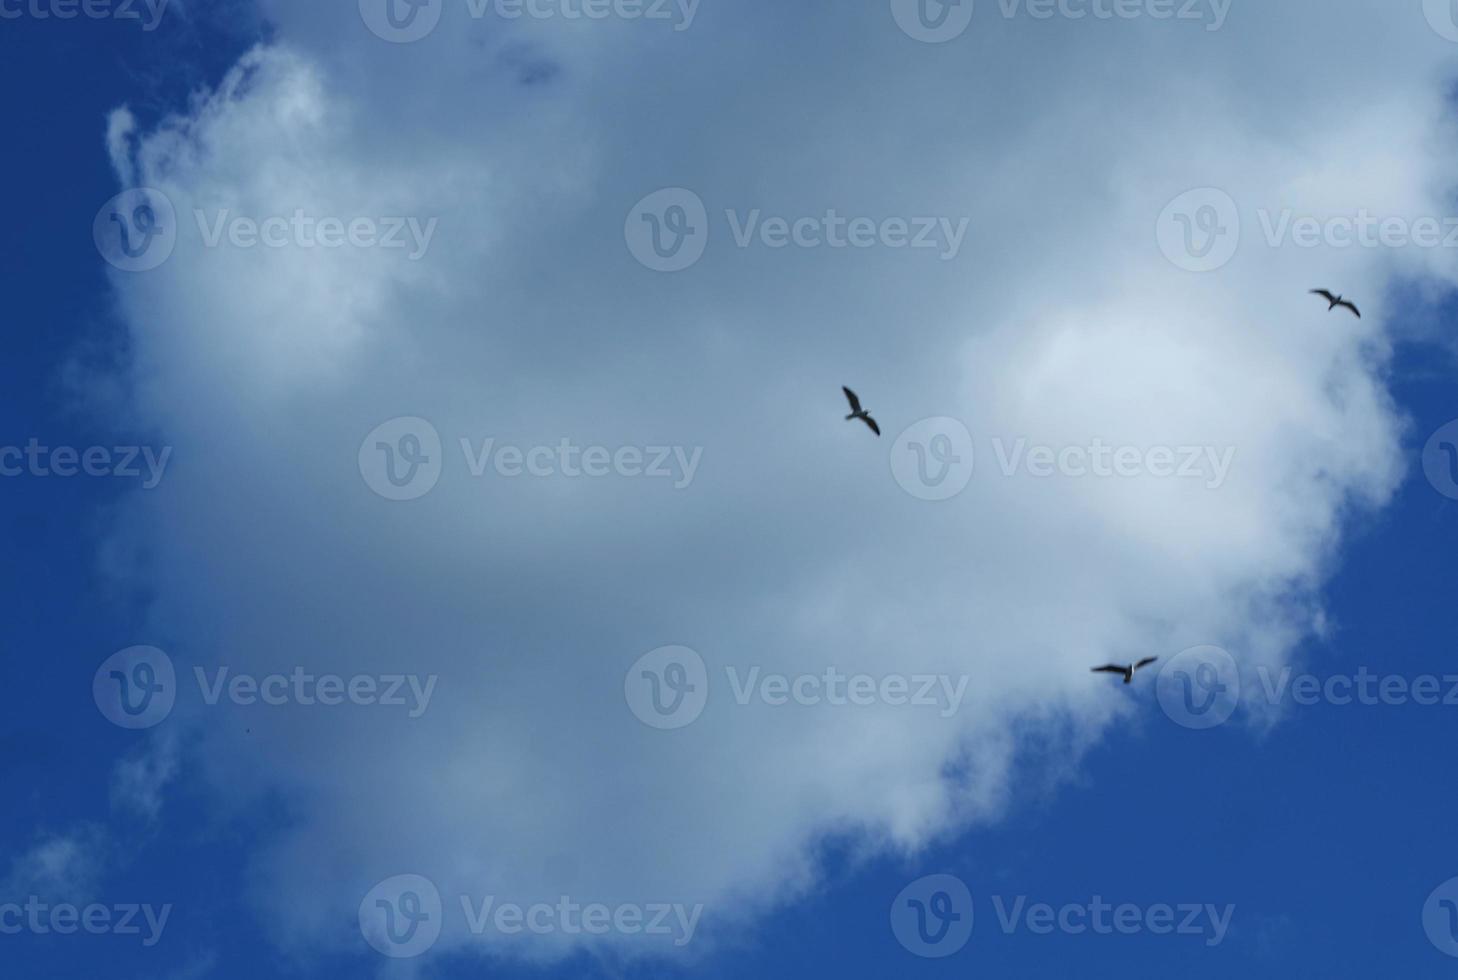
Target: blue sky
(779, 539)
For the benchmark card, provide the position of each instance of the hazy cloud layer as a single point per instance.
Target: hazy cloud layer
(528, 320)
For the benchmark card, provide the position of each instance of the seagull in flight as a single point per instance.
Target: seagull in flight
(1126, 671)
(1336, 301)
(857, 412)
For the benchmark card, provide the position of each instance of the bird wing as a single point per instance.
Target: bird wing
(1109, 669)
(850, 396)
(1325, 294)
(872, 423)
(1145, 662)
(1351, 306)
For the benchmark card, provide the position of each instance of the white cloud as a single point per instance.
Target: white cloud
(793, 549)
(139, 780)
(59, 867)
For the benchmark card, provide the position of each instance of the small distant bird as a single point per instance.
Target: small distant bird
(857, 412)
(1126, 671)
(1336, 301)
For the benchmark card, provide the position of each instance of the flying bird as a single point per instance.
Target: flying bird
(1126, 671)
(857, 412)
(1336, 301)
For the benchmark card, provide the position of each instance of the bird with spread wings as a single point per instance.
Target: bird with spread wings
(1336, 301)
(1125, 670)
(857, 412)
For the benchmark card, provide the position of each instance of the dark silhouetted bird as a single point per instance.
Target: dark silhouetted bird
(857, 412)
(1336, 301)
(1126, 671)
